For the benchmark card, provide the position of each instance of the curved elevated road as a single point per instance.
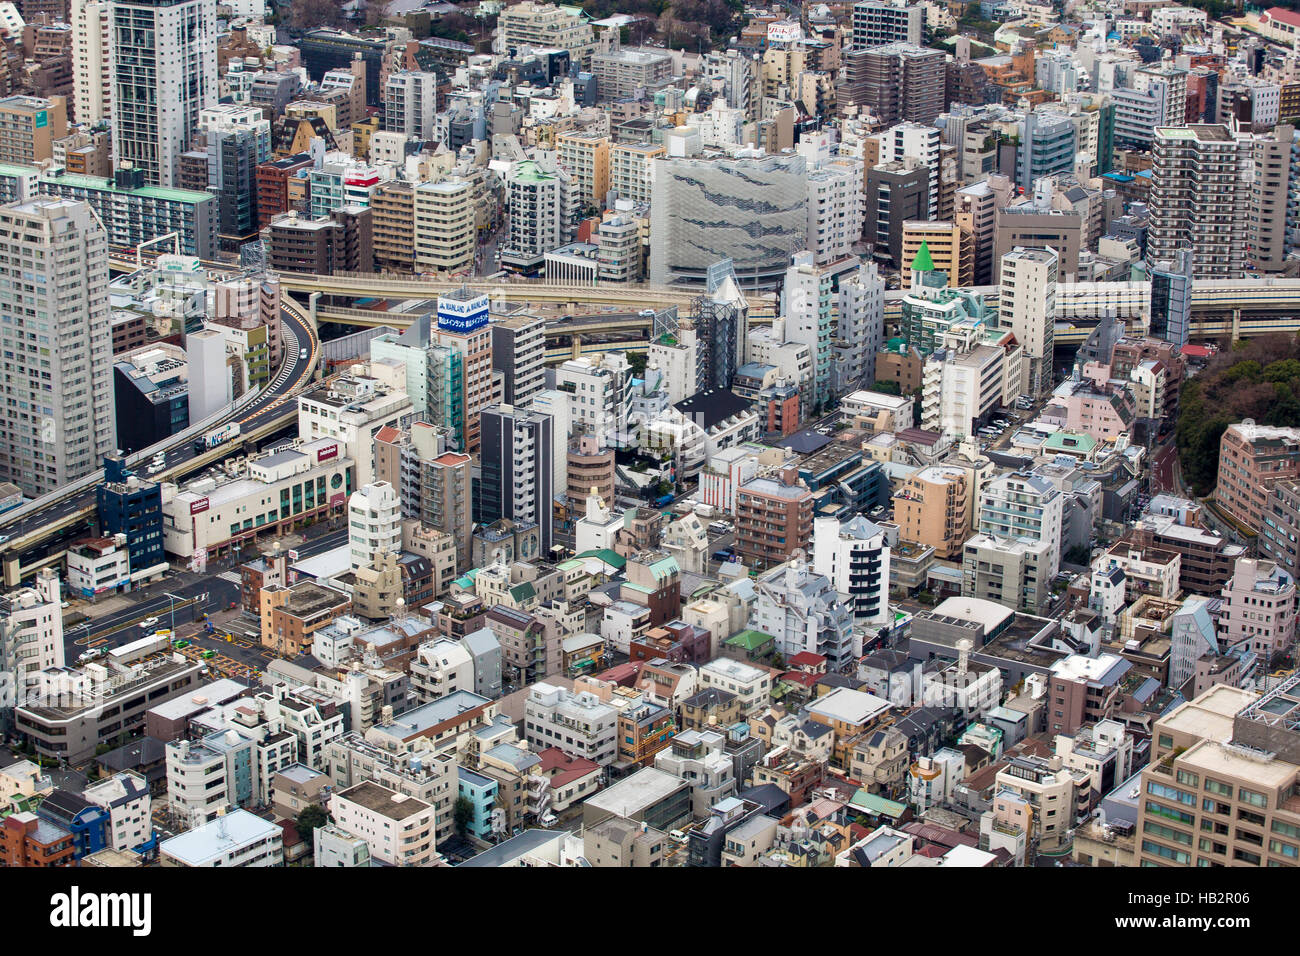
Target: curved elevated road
(31, 535)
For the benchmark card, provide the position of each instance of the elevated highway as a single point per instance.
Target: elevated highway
(37, 534)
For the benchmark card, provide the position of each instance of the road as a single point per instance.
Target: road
(294, 373)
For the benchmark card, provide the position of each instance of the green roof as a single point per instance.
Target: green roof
(1070, 441)
(922, 262)
(524, 591)
(878, 805)
(750, 639)
(608, 556)
(99, 184)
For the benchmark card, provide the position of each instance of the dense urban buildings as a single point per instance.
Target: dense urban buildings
(857, 435)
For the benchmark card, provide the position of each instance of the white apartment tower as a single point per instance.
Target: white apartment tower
(92, 58)
(410, 103)
(57, 332)
(31, 636)
(860, 331)
(855, 557)
(806, 304)
(164, 69)
(374, 524)
(1027, 306)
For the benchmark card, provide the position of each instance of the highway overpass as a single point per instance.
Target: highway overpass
(37, 534)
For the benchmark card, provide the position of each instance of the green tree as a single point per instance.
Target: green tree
(311, 818)
(636, 362)
(462, 812)
(887, 387)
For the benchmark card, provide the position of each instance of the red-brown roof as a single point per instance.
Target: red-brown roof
(387, 434)
(566, 767)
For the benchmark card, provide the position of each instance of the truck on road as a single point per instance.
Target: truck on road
(217, 437)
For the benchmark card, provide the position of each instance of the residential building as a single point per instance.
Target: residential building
(167, 47)
(933, 508)
(238, 838)
(399, 828)
(1200, 198)
(1252, 459)
(61, 421)
(1259, 609)
(773, 519)
(854, 557)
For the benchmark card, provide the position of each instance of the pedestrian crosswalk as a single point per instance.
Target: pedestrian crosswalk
(232, 576)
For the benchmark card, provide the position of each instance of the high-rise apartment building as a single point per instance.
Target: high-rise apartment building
(933, 508)
(855, 557)
(164, 65)
(92, 60)
(433, 482)
(1269, 191)
(1201, 198)
(516, 469)
(586, 157)
(897, 82)
(58, 344)
(519, 355)
(1259, 609)
(876, 22)
(774, 518)
(410, 103)
(538, 200)
(546, 26)
(1027, 306)
(629, 169)
(1024, 506)
(374, 524)
(444, 227)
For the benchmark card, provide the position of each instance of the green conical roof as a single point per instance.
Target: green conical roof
(922, 262)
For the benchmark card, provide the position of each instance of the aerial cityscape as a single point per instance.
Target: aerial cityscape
(649, 433)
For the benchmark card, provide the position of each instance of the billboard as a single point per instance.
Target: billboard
(326, 453)
(787, 31)
(197, 507)
(462, 315)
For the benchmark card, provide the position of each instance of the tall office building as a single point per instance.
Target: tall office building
(58, 341)
(876, 22)
(1200, 198)
(164, 68)
(920, 142)
(517, 471)
(1027, 306)
(751, 208)
(92, 60)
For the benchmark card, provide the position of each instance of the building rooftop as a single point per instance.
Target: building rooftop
(633, 794)
(206, 844)
(385, 802)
